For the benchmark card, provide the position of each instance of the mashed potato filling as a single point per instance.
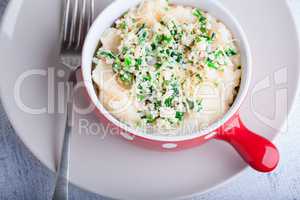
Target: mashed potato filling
(166, 66)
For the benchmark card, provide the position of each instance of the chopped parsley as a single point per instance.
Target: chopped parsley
(142, 33)
(198, 13)
(198, 76)
(127, 78)
(179, 115)
(141, 97)
(230, 52)
(157, 105)
(211, 64)
(106, 54)
(128, 61)
(168, 102)
(212, 37)
(198, 105)
(162, 64)
(150, 118)
(123, 25)
(191, 104)
(116, 66)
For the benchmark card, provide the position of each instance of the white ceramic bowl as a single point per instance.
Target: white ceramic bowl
(116, 10)
(218, 129)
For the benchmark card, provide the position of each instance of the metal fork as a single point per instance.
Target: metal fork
(78, 16)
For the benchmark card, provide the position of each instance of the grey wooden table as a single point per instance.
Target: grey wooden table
(23, 177)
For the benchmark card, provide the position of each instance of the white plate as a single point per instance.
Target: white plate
(110, 166)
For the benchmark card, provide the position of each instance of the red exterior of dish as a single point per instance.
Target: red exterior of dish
(257, 151)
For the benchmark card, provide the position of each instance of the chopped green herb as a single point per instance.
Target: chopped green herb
(158, 65)
(198, 13)
(150, 119)
(123, 25)
(211, 38)
(174, 32)
(153, 46)
(141, 28)
(203, 29)
(175, 89)
(127, 78)
(202, 20)
(106, 54)
(166, 83)
(179, 116)
(191, 104)
(142, 33)
(168, 102)
(117, 66)
(177, 56)
(125, 50)
(199, 77)
(166, 38)
(210, 64)
(218, 53)
(199, 106)
(128, 61)
(163, 38)
(140, 97)
(168, 52)
(230, 52)
(188, 48)
(138, 61)
(198, 39)
(143, 37)
(157, 105)
(147, 77)
(162, 22)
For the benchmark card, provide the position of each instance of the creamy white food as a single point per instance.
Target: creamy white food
(167, 66)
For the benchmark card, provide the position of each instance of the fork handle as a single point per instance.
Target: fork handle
(61, 190)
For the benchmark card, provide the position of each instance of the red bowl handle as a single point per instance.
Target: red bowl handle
(257, 151)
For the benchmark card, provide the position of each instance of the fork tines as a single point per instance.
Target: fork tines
(77, 18)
